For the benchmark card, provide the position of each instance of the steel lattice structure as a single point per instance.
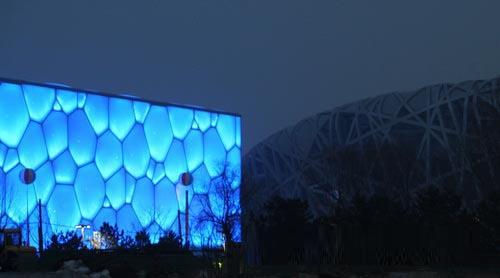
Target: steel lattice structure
(430, 121)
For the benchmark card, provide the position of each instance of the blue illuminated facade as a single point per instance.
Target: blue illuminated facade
(100, 158)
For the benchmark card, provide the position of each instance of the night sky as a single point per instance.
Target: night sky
(274, 62)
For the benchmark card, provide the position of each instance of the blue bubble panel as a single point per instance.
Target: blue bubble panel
(215, 153)
(96, 108)
(2, 188)
(129, 188)
(143, 201)
(81, 138)
(159, 173)
(233, 169)
(32, 149)
(11, 160)
(108, 156)
(104, 215)
(175, 163)
(45, 182)
(3, 154)
(238, 132)
(90, 190)
(202, 119)
(201, 180)
(155, 232)
(193, 145)
(115, 189)
(165, 204)
(63, 210)
(68, 100)
(141, 111)
(128, 221)
(158, 132)
(181, 120)
(39, 100)
(226, 126)
(20, 198)
(121, 117)
(82, 98)
(55, 129)
(65, 168)
(135, 152)
(13, 123)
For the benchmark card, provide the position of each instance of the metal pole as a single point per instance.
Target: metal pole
(27, 219)
(179, 223)
(40, 234)
(187, 219)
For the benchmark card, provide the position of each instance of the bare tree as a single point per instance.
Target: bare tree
(221, 209)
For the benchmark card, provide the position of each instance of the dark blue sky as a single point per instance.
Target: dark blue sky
(274, 62)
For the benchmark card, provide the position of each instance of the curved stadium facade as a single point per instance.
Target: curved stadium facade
(418, 137)
(101, 158)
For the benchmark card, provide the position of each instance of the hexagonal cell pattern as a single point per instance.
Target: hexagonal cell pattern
(102, 159)
(81, 138)
(89, 182)
(32, 149)
(158, 132)
(39, 100)
(14, 117)
(108, 157)
(63, 209)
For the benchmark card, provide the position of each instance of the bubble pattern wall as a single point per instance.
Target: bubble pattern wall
(100, 159)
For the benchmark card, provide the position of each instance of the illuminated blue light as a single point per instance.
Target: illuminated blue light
(14, 122)
(238, 132)
(121, 117)
(135, 152)
(3, 154)
(215, 155)
(65, 168)
(143, 201)
(32, 148)
(213, 119)
(165, 204)
(55, 129)
(151, 169)
(158, 132)
(127, 172)
(180, 190)
(141, 111)
(193, 145)
(115, 189)
(44, 182)
(39, 100)
(201, 180)
(202, 234)
(81, 138)
(175, 163)
(96, 108)
(226, 126)
(56, 106)
(181, 120)
(88, 182)
(159, 173)
(62, 209)
(68, 100)
(128, 221)
(108, 157)
(203, 120)
(81, 100)
(155, 232)
(106, 203)
(2, 188)
(129, 188)
(11, 160)
(19, 198)
(105, 215)
(234, 166)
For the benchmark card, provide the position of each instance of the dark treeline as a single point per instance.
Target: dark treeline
(436, 229)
